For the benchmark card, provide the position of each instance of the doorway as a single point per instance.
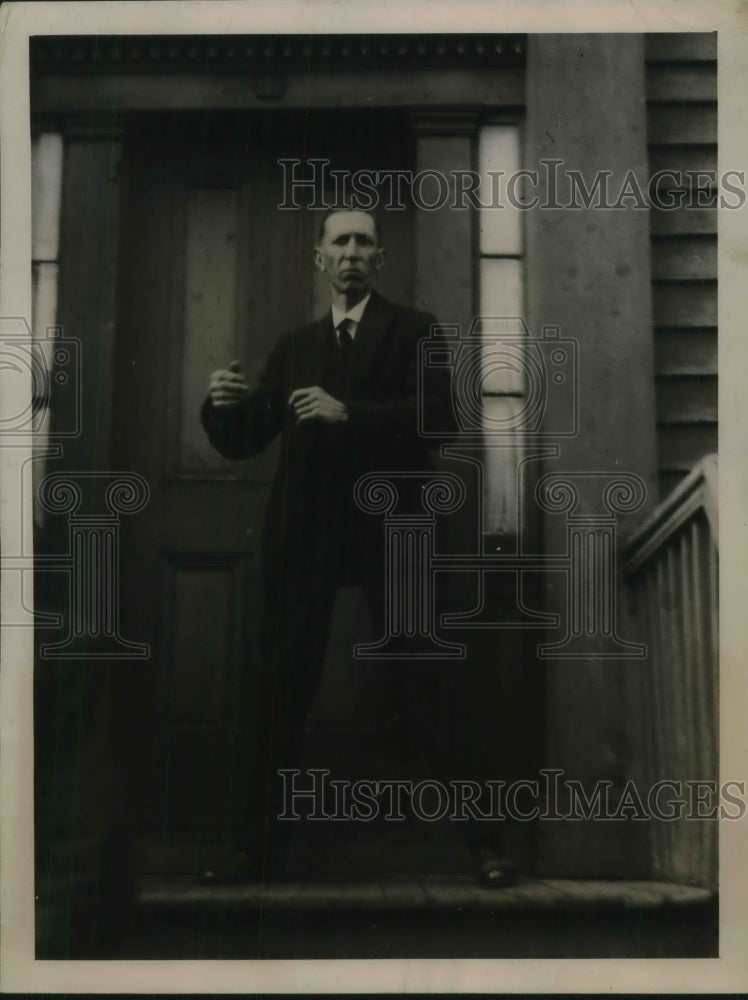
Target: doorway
(212, 269)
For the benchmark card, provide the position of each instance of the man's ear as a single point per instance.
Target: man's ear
(319, 259)
(381, 257)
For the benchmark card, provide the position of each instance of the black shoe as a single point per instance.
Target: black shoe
(493, 869)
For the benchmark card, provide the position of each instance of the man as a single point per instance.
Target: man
(343, 395)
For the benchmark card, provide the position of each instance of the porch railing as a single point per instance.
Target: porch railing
(671, 569)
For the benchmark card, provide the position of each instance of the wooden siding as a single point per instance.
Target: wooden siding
(681, 81)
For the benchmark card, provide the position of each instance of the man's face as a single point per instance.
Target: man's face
(349, 254)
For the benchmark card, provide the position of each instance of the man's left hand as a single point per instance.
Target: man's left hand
(314, 403)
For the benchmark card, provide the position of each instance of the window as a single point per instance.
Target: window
(500, 302)
(46, 187)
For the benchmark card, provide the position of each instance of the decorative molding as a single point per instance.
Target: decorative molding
(103, 126)
(258, 54)
(270, 86)
(445, 121)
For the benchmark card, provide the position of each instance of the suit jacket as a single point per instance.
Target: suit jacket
(311, 513)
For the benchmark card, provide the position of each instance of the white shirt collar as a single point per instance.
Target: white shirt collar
(353, 314)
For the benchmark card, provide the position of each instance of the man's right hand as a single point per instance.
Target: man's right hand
(228, 387)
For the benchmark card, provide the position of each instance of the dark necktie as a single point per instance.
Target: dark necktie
(345, 340)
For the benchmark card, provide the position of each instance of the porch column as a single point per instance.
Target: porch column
(589, 274)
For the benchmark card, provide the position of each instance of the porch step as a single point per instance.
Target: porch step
(429, 917)
(452, 893)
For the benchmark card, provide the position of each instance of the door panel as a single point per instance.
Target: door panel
(209, 265)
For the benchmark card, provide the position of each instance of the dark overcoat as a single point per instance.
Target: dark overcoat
(312, 518)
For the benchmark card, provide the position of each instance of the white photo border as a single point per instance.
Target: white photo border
(20, 971)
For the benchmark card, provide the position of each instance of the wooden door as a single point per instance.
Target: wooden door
(211, 270)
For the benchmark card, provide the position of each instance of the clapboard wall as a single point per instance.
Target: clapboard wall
(682, 136)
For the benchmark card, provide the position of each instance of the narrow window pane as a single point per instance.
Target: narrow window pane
(502, 327)
(500, 224)
(502, 455)
(46, 185)
(501, 288)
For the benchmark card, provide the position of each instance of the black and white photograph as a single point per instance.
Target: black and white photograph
(363, 469)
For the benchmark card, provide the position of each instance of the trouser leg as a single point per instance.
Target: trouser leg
(294, 639)
(430, 691)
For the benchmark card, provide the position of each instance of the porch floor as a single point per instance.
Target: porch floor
(452, 893)
(423, 916)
